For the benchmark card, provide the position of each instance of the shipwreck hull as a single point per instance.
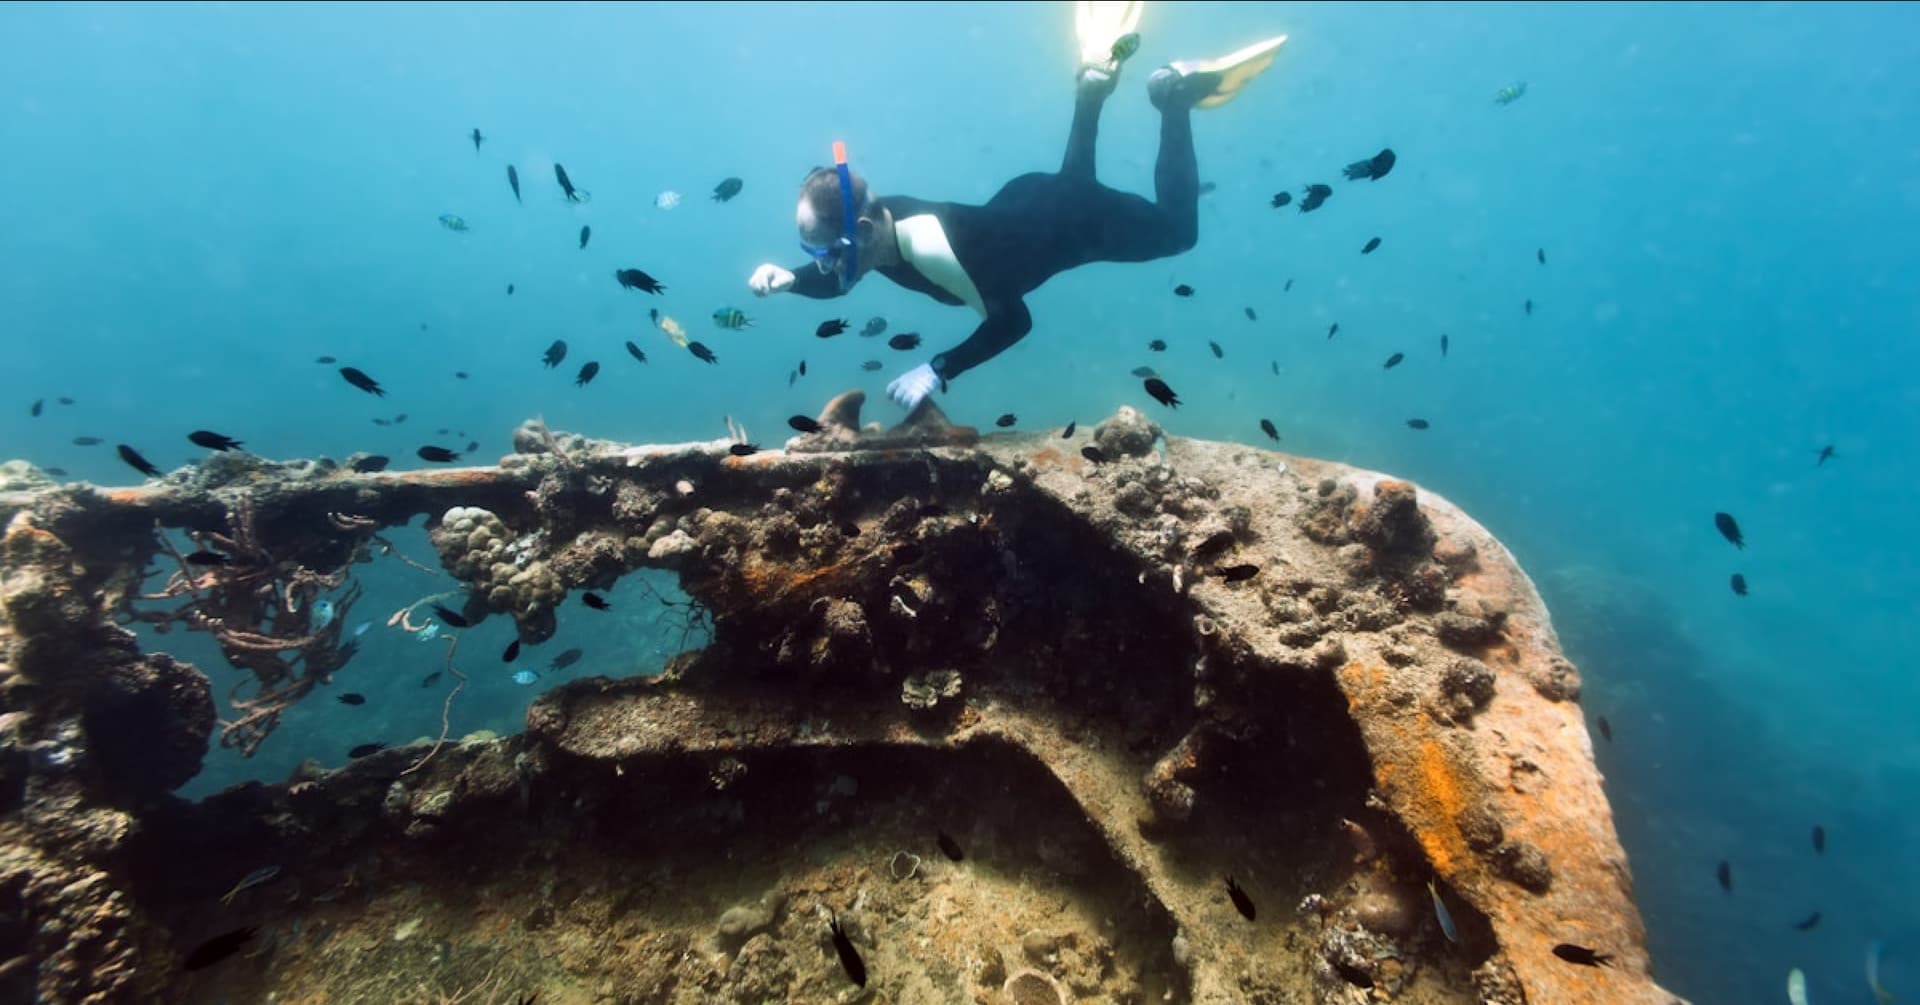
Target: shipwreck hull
(1107, 682)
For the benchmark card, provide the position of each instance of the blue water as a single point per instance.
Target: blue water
(200, 200)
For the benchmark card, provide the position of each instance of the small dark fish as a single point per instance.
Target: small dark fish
(871, 365)
(1808, 924)
(1417, 424)
(948, 846)
(849, 529)
(904, 341)
(1093, 454)
(1393, 360)
(566, 183)
(727, 189)
(555, 353)
(1372, 243)
(1276, 367)
(828, 329)
(1819, 839)
(1581, 955)
(511, 653)
(325, 359)
(586, 234)
(1606, 728)
(383, 422)
(1529, 308)
(352, 698)
(849, 958)
(1282, 199)
(595, 601)
(430, 679)
(365, 749)
(1005, 420)
(744, 449)
(803, 368)
(1443, 344)
(1374, 168)
(802, 424)
(1266, 426)
(1208, 188)
(1241, 902)
(460, 375)
(1332, 330)
(1316, 194)
(477, 139)
(1215, 346)
(1067, 433)
(1183, 290)
(874, 326)
(634, 279)
(1724, 873)
(472, 445)
(702, 353)
(218, 948)
(372, 463)
(439, 455)
(1729, 529)
(513, 182)
(362, 381)
(1239, 573)
(587, 373)
(212, 440)
(1826, 453)
(64, 400)
(565, 659)
(1157, 345)
(636, 352)
(1251, 316)
(87, 441)
(1739, 584)
(398, 419)
(509, 289)
(1288, 288)
(1143, 371)
(137, 462)
(1162, 393)
(451, 617)
(204, 557)
(1541, 255)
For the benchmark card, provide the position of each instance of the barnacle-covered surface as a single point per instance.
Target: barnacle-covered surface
(1109, 680)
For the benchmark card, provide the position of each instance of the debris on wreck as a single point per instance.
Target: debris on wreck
(1054, 657)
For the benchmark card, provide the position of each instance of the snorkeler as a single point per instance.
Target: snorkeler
(1037, 226)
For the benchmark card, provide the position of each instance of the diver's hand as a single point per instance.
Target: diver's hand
(908, 388)
(769, 278)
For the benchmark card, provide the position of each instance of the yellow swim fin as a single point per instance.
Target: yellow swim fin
(1234, 69)
(1101, 23)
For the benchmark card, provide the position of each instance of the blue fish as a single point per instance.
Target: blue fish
(525, 677)
(1440, 911)
(322, 614)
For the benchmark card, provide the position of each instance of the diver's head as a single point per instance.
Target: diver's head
(822, 219)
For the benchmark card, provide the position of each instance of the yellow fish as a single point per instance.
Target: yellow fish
(672, 328)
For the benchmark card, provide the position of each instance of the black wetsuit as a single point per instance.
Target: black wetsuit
(1039, 225)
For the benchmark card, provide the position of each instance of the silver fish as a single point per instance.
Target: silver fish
(1440, 911)
(258, 876)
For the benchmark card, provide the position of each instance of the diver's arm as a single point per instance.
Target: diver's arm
(1007, 322)
(809, 281)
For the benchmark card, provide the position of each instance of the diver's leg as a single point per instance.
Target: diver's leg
(1176, 180)
(1089, 99)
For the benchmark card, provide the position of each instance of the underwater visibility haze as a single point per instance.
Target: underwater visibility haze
(1633, 286)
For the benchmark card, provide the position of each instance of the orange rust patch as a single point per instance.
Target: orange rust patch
(1435, 805)
(1048, 457)
(773, 581)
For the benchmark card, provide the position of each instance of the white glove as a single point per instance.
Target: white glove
(908, 388)
(769, 278)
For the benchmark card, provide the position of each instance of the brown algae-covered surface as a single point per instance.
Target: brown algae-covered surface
(1111, 677)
